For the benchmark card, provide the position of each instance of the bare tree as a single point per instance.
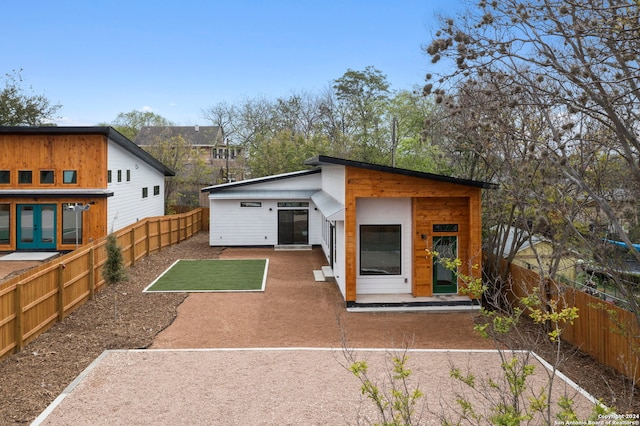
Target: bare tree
(575, 63)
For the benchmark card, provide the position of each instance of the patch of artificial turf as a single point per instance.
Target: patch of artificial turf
(213, 275)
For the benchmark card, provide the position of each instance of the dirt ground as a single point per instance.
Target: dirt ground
(293, 312)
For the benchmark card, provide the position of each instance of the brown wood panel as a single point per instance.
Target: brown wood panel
(87, 154)
(94, 220)
(432, 202)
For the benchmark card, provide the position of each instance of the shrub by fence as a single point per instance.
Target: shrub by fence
(35, 300)
(605, 331)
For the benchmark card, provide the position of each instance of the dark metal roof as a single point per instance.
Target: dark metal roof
(193, 135)
(224, 186)
(55, 193)
(109, 132)
(324, 160)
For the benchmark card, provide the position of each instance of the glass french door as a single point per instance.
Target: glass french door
(445, 281)
(293, 227)
(36, 227)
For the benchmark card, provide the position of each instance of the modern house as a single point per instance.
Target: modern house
(64, 186)
(374, 223)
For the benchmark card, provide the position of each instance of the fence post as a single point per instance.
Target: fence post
(92, 273)
(148, 237)
(18, 308)
(133, 245)
(60, 292)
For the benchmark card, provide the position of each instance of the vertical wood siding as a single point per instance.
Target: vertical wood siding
(598, 329)
(432, 201)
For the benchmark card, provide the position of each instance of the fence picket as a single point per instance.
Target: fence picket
(48, 299)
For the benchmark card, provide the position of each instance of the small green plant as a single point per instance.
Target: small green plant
(506, 398)
(113, 270)
(396, 403)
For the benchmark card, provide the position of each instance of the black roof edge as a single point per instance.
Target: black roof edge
(107, 131)
(223, 186)
(319, 160)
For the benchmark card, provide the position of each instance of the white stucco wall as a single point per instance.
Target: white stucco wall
(386, 211)
(333, 181)
(127, 206)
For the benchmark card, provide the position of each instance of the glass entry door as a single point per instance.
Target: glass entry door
(36, 227)
(444, 280)
(293, 227)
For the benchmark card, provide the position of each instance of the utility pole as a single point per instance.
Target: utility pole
(394, 142)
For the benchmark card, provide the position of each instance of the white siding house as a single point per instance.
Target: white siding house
(61, 187)
(372, 222)
(138, 188)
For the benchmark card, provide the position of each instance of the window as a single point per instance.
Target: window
(380, 252)
(25, 176)
(70, 176)
(145, 192)
(293, 204)
(70, 233)
(46, 176)
(250, 204)
(5, 217)
(445, 227)
(5, 176)
(156, 190)
(109, 176)
(128, 175)
(119, 175)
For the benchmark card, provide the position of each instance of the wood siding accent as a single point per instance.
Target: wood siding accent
(432, 202)
(606, 332)
(87, 154)
(94, 224)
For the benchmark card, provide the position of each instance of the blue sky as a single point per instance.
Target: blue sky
(99, 58)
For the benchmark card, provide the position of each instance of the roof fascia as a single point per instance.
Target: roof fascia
(324, 160)
(247, 182)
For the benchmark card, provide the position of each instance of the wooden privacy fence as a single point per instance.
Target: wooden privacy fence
(34, 301)
(606, 332)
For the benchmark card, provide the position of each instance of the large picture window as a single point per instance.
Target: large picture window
(380, 252)
(4, 223)
(71, 225)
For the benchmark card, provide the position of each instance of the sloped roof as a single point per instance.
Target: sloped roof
(109, 132)
(193, 135)
(325, 160)
(230, 185)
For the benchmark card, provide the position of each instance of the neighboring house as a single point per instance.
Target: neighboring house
(536, 252)
(210, 146)
(63, 186)
(374, 223)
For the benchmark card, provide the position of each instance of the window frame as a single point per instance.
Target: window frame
(365, 271)
(46, 173)
(6, 173)
(6, 207)
(70, 216)
(251, 204)
(25, 173)
(145, 192)
(73, 181)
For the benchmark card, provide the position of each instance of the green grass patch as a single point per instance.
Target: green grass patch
(213, 275)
